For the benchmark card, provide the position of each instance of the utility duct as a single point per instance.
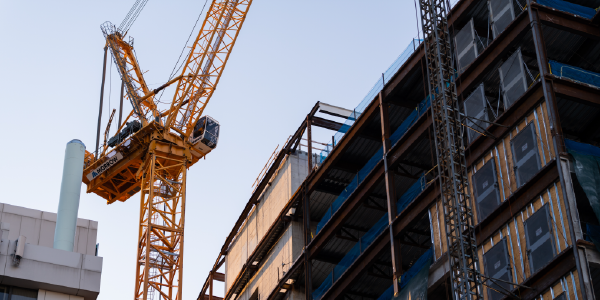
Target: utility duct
(68, 205)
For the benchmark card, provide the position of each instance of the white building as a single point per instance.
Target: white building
(45, 273)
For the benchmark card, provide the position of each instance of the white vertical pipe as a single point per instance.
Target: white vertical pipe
(68, 205)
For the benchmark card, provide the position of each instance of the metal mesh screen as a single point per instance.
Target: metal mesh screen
(540, 246)
(512, 78)
(497, 266)
(466, 48)
(475, 107)
(525, 154)
(485, 185)
(502, 13)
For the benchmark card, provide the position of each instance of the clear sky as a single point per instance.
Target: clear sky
(289, 55)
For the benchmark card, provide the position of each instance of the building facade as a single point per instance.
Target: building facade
(42, 272)
(368, 211)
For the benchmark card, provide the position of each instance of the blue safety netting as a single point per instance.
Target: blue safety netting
(368, 167)
(574, 73)
(408, 275)
(367, 239)
(573, 8)
(389, 73)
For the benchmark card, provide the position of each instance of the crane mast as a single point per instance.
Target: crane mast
(450, 150)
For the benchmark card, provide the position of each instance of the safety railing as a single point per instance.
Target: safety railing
(386, 76)
(367, 239)
(569, 7)
(574, 73)
(368, 167)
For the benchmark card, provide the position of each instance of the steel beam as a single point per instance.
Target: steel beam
(407, 218)
(575, 91)
(327, 124)
(390, 190)
(566, 21)
(413, 134)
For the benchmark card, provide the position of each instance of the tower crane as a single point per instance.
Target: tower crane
(152, 153)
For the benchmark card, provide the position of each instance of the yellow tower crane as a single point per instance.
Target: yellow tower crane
(152, 153)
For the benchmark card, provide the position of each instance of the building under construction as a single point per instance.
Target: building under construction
(362, 217)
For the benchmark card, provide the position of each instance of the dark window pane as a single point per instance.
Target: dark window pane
(525, 154)
(562, 296)
(540, 246)
(199, 128)
(497, 266)
(23, 294)
(212, 127)
(486, 190)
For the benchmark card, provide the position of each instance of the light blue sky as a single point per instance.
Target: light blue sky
(289, 55)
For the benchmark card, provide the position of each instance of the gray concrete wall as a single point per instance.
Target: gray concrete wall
(278, 262)
(38, 226)
(284, 183)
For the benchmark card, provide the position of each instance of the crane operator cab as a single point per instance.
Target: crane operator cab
(205, 135)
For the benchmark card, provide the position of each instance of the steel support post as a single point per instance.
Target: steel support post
(162, 212)
(121, 106)
(101, 101)
(210, 287)
(307, 238)
(309, 141)
(450, 151)
(390, 195)
(555, 127)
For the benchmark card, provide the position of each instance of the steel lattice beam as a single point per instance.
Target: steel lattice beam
(450, 150)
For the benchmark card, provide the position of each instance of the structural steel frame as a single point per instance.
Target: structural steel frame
(483, 64)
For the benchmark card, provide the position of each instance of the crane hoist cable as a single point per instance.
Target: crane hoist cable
(174, 71)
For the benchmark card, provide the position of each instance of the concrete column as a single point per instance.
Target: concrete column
(68, 205)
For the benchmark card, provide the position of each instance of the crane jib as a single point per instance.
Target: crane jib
(206, 70)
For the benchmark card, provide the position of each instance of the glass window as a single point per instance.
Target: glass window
(199, 128)
(23, 294)
(485, 188)
(212, 127)
(3, 292)
(525, 154)
(497, 266)
(540, 245)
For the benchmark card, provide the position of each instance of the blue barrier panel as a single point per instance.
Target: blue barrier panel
(408, 275)
(574, 73)
(368, 167)
(366, 240)
(573, 8)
